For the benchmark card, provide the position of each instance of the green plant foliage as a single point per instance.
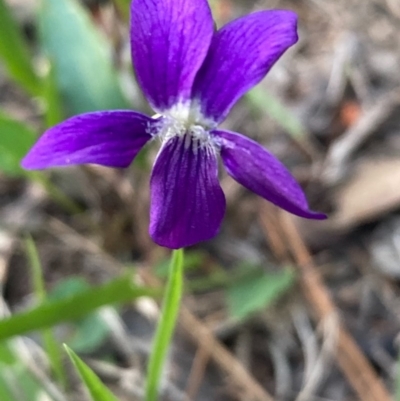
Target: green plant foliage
(89, 332)
(257, 292)
(97, 389)
(73, 307)
(166, 325)
(123, 6)
(68, 287)
(266, 102)
(15, 53)
(54, 111)
(51, 345)
(81, 57)
(16, 382)
(193, 260)
(15, 140)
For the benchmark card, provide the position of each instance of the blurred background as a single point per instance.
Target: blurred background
(276, 308)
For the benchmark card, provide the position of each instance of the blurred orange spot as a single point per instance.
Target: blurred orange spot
(223, 11)
(349, 113)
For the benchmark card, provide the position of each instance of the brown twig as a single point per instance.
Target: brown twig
(351, 360)
(201, 359)
(200, 334)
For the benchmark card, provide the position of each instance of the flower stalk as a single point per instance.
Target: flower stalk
(166, 326)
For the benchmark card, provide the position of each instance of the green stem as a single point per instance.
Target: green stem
(166, 325)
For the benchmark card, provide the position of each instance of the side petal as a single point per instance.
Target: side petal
(240, 55)
(109, 138)
(169, 41)
(259, 171)
(187, 202)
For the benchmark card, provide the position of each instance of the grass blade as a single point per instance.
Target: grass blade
(166, 326)
(15, 54)
(16, 139)
(54, 111)
(266, 102)
(51, 345)
(97, 389)
(265, 288)
(74, 307)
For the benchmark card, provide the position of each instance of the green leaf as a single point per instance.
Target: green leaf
(54, 111)
(123, 6)
(16, 382)
(51, 345)
(266, 102)
(15, 140)
(81, 57)
(68, 287)
(7, 357)
(15, 54)
(74, 307)
(97, 389)
(257, 292)
(36, 266)
(166, 325)
(90, 333)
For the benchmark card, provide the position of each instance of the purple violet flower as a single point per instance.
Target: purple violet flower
(191, 75)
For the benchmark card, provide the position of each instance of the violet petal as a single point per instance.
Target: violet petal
(169, 41)
(187, 202)
(109, 138)
(262, 173)
(240, 55)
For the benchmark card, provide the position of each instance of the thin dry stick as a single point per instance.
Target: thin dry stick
(270, 227)
(351, 360)
(197, 372)
(239, 375)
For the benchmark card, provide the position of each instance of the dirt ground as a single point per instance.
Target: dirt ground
(334, 335)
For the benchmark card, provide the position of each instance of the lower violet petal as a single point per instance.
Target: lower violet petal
(187, 202)
(259, 171)
(108, 138)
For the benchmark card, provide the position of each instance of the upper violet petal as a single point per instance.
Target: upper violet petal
(169, 42)
(240, 55)
(187, 202)
(108, 138)
(261, 172)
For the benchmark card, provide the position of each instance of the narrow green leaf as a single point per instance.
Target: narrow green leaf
(97, 389)
(5, 391)
(7, 356)
(123, 6)
(54, 112)
(16, 139)
(81, 57)
(166, 325)
(257, 292)
(74, 307)
(266, 102)
(15, 54)
(51, 345)
(15, 379)
(36, 266)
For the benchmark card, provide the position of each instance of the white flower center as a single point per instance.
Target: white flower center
(186, 121)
